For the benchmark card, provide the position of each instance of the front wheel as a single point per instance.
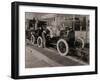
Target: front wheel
(62, 47)
(79, 43)
(40, 41)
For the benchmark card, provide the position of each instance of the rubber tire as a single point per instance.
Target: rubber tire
(41, 45)
(83, 44)
(33, 37)
(67, 47)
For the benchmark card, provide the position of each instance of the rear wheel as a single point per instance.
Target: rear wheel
(62, 47)
(33, 39)
(40, 41)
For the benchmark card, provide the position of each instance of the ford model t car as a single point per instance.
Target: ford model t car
(63, 39)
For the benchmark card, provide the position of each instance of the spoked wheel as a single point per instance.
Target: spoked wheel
(33, 39)
(79, 43)
(40, 42)
(62, 47)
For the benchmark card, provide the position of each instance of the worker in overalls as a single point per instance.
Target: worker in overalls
(47, 33)
(71, 37)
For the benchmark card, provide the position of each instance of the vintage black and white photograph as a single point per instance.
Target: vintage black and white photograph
(53, 40)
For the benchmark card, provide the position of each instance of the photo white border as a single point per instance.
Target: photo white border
(54, 70)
